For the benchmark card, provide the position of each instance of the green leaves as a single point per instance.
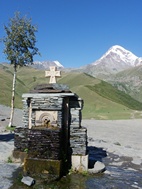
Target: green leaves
(20, 41)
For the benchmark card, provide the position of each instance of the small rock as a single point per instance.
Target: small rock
(117, 143)
(137, 161)
(107, 172)
(2, 119)
(28, 181)
(99, 167)
(117, 159)
(127, 146)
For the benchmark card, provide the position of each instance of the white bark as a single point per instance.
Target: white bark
(12, 99)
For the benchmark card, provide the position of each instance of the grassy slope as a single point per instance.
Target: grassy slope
(112, 104)
(103, 89)
(129, 81)
(26, 79)
(96, 105)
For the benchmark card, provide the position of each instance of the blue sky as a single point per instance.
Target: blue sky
(78, 32)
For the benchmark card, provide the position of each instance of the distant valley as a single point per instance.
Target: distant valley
(119, 67)
(101, 100)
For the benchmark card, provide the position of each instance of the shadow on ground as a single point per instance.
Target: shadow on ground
(6, 137)
(95, 154)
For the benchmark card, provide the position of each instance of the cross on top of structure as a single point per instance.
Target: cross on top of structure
(52, 73)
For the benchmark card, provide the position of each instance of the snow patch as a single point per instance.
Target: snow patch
(58, 63)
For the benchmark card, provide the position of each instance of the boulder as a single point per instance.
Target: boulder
(99, 167)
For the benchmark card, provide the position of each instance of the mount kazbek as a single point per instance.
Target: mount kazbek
(115, 60)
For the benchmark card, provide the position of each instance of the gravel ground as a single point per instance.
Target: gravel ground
(6, 171)
(122, 138)
(5, 114)
(119, 137)
(7, 146)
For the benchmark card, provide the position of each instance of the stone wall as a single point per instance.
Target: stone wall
(35, 102)
(51, 134)
(78, 134)
(69, 119)
(45, 144)
(78, 140)
(39, 143)
(21, 139)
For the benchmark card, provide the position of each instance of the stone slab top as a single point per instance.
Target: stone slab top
(44, 95)
(51, 88)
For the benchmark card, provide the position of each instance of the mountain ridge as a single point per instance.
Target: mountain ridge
(115, 60)
(100, 98)
(116, 56)
(42, 65)
(117, 66)
(123, 54)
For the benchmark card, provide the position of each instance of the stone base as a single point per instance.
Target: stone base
(35, 167)
(79, 163)
(19, 156)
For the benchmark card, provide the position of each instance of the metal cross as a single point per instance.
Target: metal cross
(53, 73)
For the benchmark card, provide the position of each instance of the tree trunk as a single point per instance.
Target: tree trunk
(12, 99)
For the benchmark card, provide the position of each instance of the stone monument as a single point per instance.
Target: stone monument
(51, 137)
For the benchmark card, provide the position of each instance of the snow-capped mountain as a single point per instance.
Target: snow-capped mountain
(116, 59)
(46, 64)
(118, 53)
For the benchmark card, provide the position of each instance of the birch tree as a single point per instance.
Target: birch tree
(19, 48)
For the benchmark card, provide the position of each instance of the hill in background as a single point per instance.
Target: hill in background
(101, 100)
(129, 81)
(118, 66)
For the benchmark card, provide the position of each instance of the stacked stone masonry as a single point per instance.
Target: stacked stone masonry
(39, 143)
(21, 139)
(78, 140)
(77, 135)
(41, 103)
(48, 145)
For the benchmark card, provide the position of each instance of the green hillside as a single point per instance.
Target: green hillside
(129, 81)
(103, 89)
(101, 100)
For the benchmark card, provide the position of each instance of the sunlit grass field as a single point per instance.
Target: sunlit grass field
(101, 100)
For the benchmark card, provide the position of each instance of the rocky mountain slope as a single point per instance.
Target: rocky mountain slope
(43, 65)
(116, 59)
(117, 66)
(121, 68)
(101, 100)
(129, 81)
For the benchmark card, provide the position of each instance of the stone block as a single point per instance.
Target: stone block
(79, 163)
(42, 166)
(28, 181)
(19, 156)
